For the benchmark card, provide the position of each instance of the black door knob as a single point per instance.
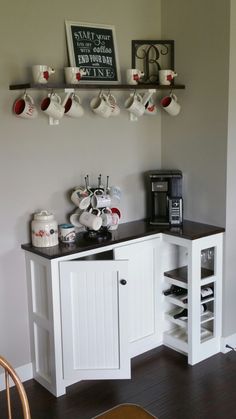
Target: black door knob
(123, 282)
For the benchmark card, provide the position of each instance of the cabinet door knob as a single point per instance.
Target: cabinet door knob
(123, 282)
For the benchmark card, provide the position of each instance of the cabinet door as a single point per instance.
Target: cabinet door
(143, 294)
(94, 320)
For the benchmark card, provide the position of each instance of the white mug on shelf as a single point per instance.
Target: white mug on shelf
(133, 75)
(51, 106)
(166, 77)
(170, 104)
(24, 107)
(73, 106)
(41, 73)
(73, 75)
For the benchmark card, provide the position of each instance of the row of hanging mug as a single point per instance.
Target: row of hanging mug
(103, 105)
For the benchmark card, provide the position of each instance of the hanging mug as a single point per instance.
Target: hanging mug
(51, 106)
(101, 105)
(73, 106)
(170, 104)
(24, 107)
(134, 104)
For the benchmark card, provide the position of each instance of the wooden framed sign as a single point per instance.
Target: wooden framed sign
(93, 48)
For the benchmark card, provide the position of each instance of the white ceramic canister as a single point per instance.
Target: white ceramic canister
(44, 230)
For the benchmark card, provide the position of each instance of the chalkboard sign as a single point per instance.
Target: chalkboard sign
(93, 48)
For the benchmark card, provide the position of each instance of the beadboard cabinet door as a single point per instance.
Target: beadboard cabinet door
(144, 307)
(94, 319)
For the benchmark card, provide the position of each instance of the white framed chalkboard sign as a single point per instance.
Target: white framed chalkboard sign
(93, 47)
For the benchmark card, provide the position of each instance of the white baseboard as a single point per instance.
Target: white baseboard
(25, 372)
(230, 340)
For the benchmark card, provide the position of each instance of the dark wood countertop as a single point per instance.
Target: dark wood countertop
(127, 231)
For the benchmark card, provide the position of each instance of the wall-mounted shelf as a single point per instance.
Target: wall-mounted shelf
(70, 88)
(91, 86)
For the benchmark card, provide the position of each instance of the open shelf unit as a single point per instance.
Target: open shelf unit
(198, 272)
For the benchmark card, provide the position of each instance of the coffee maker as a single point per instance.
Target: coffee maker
(164, 193)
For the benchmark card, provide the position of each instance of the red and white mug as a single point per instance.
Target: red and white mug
(41, 73)
(170, 104)
(51, 105)
(133, 75)
(166, 77)
(24, 107)
(73, 106)
(73, 75)
(116, 216)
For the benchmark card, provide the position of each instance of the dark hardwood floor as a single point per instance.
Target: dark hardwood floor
(162, 382)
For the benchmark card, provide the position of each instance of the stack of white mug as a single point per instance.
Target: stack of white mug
(96, 208)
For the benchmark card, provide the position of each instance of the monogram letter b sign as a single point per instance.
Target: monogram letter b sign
(152, 56)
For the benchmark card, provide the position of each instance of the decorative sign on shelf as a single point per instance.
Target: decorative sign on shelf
(93, 47)
(152, 56)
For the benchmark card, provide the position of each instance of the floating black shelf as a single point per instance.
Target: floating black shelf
(91, 86)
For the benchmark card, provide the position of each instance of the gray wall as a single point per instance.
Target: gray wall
(229, 313)
(39, 163)
(196, 141)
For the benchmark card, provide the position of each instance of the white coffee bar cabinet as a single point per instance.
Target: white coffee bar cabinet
(94, 305)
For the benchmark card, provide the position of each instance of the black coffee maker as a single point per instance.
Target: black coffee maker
(164, 193)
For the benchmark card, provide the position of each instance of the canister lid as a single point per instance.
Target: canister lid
(44, 215)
